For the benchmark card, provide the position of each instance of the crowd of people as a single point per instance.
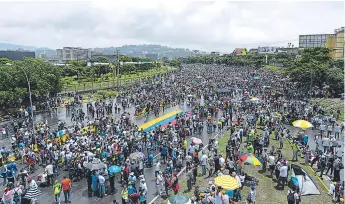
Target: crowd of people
(106, 134)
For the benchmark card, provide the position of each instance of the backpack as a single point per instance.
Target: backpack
(291, 197)
(249, 197)
(16, 196)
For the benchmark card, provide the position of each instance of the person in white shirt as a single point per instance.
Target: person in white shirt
(337, 131)
(329, 130)
(203, 161)
(322, 129)
(50, 173)
(271, 163)
(143, 185)
(101, 181)
(237, 178)
(283, 175)
(159, 182)
(325, 144)
(339, 151)
(331, 191)
(157, 168)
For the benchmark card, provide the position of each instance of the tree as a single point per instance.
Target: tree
(100, 59)
(5, 61)
(315, 67)
(339, 64)
(44, 79)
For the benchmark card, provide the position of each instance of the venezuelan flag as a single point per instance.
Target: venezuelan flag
(165, 119)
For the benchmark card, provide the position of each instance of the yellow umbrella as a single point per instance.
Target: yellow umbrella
(302, 124)
(226, 182)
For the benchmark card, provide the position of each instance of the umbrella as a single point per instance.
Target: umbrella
(257, 78)
(255, 99)
(135, 156)
(196, 140)
(114, 169)
(251, 159)
(94, 165)
(226, 182)
(190, 95)
(302, 124)
(33, 192)
(179, 199)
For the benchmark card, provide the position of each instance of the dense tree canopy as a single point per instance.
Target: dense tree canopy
(44, 79)
(79, 68)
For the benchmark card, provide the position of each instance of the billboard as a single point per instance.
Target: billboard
(240, 51)
(264, 50)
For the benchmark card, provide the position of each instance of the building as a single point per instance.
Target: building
(267, 50)
(73, 53)
(339, 43)
(153, 56)
(335, 44)
(240, 51)
(330, 43)
(289, 50)
(215, 53)
(315, 40)
(16, 55)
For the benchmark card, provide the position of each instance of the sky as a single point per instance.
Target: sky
(201, 25)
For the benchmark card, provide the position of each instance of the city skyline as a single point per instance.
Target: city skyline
(207, 26)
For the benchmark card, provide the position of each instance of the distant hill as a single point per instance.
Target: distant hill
(130, 50)
(9, 46)
(141, 50)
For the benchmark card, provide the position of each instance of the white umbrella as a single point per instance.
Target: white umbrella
(94, 165)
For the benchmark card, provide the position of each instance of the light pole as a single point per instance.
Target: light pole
(32, 110)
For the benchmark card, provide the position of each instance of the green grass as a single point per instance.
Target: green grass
(274, 68)
(266, 191)
(107, 80)
(327, 102)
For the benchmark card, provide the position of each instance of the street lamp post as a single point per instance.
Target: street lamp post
(32, 110)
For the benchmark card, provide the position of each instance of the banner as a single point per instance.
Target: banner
(262, 50)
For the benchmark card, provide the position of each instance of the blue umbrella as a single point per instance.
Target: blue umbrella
(114, 169)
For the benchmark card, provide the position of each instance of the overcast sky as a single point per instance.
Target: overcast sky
(210, 26)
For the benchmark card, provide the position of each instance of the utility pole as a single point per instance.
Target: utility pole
(311, 82)
(118, 68)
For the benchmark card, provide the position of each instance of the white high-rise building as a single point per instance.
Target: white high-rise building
(74, 53)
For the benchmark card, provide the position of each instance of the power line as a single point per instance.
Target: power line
(269, 43)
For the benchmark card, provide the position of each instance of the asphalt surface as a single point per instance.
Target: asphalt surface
(79, 189)
(79, 192)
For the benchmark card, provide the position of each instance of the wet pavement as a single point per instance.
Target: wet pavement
(79, 189)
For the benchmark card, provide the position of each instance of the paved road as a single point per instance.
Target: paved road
(312, 144)
(79, 191)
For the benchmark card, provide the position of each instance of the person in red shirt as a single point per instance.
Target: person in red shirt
(66, 187)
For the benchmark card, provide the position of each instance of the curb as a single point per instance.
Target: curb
(321, 181)
(184, 168)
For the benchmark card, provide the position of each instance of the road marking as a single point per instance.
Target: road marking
(321, 181)
(184, 168)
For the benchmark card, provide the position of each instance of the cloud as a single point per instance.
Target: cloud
(209, 26)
